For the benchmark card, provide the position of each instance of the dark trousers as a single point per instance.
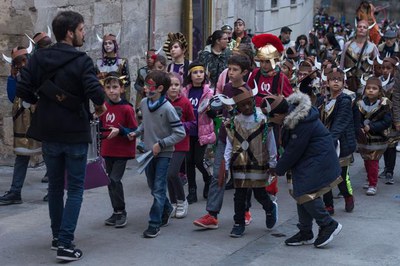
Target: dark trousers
(312, 210)
(390, 159)
(175, 187)
(240, 200)
(344, 188)
(115, 169)
(194, 158)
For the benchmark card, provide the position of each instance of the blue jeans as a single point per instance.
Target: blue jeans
(61, 158)
(216, 193)
(19, 174)
(156, 173)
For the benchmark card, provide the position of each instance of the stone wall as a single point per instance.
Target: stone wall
(131, 19)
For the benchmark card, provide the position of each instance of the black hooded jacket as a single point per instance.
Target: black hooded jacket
(73, 72)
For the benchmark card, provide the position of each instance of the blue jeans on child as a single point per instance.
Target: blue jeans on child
(156, 173)
(61, 158)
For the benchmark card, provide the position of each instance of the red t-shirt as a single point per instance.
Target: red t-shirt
(118, 115)
(265, 85)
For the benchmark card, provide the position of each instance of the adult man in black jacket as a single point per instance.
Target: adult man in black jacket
(60, 80)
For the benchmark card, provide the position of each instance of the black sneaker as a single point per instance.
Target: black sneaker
(166, 216)
(111, 220)
(301, 238)
(69, 254)
(151, 232)
(10, 198)
(327, 233)
(121, 220)
(272, 216)
(54, 244)
(237, 230)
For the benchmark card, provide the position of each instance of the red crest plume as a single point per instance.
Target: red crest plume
(266, 38)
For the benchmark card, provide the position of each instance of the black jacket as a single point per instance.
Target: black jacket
(75, 74)
(342, 124)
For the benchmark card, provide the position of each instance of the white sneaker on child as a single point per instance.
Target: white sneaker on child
(181, 209)
(371, 191)
(173, 214)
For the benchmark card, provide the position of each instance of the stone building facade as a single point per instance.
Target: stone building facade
(142, 25)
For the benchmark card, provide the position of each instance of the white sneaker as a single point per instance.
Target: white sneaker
(174, 206)
(366, 185)
(181, 209)
(398, 147)
(371, 191)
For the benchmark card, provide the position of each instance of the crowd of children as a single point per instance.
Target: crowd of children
(302, 113)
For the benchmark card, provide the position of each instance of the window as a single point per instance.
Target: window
(293, 2)
(274, 3)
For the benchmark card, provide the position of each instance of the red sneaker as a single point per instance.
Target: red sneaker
(247, 218)
(207, 221)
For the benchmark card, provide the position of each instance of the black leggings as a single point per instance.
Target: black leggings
(175, 187)
(390, 159)
(194, 158)
(344, 188)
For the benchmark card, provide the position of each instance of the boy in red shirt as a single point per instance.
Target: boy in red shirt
(116, 148)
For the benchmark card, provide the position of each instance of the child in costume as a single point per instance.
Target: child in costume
(389, 67)
(176, 50)
(375, 121)
(251, 151)
(337, 115)
(310, 154)
(116, 147)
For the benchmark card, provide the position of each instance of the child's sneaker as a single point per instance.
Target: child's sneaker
(327, 233)
(54, 244)
(272, 216)
(366, 185)
(389, 180)
(207, 221)
(151, 232)
(301, 238)
(330, 210)
(371, 191)
(247, 218)
(69, 254)
(181, 209)
(237, 230)
(349, 203)
(111, 220)
(121, 220)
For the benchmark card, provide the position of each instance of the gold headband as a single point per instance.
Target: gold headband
(196, 68)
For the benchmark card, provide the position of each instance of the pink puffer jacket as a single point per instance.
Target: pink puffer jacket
(205, 124)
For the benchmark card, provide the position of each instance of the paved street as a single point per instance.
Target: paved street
(369, 235)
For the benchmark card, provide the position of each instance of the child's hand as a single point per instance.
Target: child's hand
(131, 136)
(366, 128)
(156, 149)
(114, 132)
